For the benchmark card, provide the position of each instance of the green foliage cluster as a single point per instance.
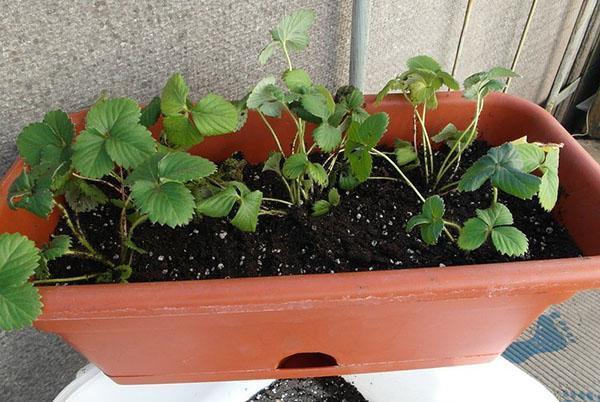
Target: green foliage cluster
(116, 159)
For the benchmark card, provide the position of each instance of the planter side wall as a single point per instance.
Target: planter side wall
(357, 322)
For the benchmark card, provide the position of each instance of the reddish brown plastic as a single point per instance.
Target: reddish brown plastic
(318, 325)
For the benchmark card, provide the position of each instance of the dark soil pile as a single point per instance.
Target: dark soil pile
(326, 389)
(366, 232)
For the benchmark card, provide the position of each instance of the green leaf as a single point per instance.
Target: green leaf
(430, 219)
(503, 166)
(181, 132)
(496, 215)
(130, 146)
(113, 134)
(509, 240)
(150, 113)
(473, 234)
(90, 156)
(320, 208)
(292, 31)
(19, 300)
(18, 259)
(267, 52)
(361, 164)
(33, 139)
(170, 203)
(19, 306)
(316, 104)
(61, 125)
(548, 194)
(31, 193)
(273, 163)
(57, 247)
(214, 115)
(347, 181)
(173, 99)
(42, 271)
(124, 271)
(372, 129)
(405, 152)
(334, 197)
(532, 156)
(394, 84)
(266, 97)
(355, 99)
(246, 217)
(297, 79)
(448, 80)
(423, 62)
(317, 172)
(219, 204)
(501, 72)
(182, 167)
(295, 166)
(327, 137)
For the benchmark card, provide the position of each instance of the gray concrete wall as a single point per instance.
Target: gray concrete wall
(63, 53)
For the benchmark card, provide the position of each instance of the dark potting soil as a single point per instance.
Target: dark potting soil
(325, 389)
(365, 232)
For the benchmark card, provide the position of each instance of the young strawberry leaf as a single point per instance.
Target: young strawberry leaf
(292, 32)
(317, 173)
(173, 99)
(181, 132)
(494, 221)
(531, 155)
(295, 166)
(347, 181)
(246, 217)
(548, 193)
(183, 167)
(297, 80)
(430, 220)
(320, 208)
(113, 134)
(56, 248)
(213, 115)
(266, 97)
(482, 83)
(317, 105)
(83, 196)
(333, 197)
(451, 135)
(405, 153)
(19, 301)
(158, 186)
(273, 163)
(362, 138)
(150, 113)
(502, 165)
(31, 193)
(219, 204)
(327, 137)
(52, 137)
(169, 203)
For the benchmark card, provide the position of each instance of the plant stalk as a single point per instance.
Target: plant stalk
(66, 280)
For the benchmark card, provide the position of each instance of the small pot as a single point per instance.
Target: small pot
(320, 325)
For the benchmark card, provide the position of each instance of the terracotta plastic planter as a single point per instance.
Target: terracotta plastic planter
(319, 325)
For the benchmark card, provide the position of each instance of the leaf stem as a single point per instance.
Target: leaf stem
(404, 177)
(262, 116)
(91, 256)
(106, 183)
(79, 235)
(494, 195)
(277, 200)
(453, 225)
(65, 280)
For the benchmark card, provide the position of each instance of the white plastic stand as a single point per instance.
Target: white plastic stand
(498, 381)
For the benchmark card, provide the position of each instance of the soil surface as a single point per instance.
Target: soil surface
(365, 232)
(325, 389)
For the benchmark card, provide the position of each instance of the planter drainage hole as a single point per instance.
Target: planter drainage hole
(307, 360)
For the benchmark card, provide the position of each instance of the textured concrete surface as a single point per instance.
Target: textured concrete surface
(62, 54)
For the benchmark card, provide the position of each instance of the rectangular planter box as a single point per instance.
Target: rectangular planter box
(318, 325)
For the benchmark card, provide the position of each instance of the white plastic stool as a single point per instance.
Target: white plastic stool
(498, 381)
